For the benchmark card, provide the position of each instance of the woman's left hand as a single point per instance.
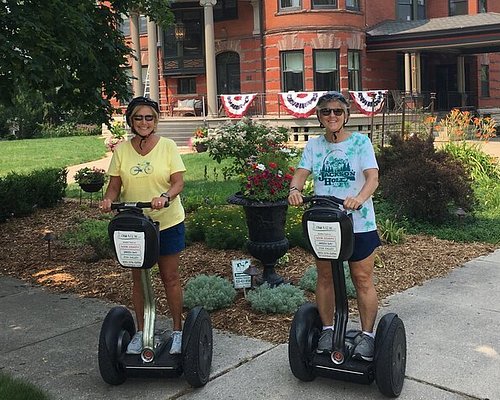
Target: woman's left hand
(158, 203)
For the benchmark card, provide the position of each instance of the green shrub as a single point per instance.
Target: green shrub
(391, 232)
(422, 183)
(21, 194)
(221, 227)
(282, 299)
(310, 277)
(69, 129)
(293, 228)
(477, 163)
(209, 291)
(94, 233)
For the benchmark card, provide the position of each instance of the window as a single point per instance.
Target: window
(287, 5)
(324, 4)
(354, 69)
(125, 25)
(458, 7)
(130, 85)
(187, 42)
(186, 85)
(481, 6)
(409, 10)
(352, 5)
(292, 71)
(326, 72)
(485, 80)
(225, 10)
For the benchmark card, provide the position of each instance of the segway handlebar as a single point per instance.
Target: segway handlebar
(327, 199)
(129, 205)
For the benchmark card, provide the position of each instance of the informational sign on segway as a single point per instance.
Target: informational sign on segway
(240, 279)
(130, 248)
(325, 238)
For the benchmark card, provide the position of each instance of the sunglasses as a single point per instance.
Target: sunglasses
(327, 111)
(141, 117)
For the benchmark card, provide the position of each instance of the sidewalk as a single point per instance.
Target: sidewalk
(50, 339)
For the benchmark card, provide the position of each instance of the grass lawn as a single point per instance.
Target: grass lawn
(17, 389)
(25, 155)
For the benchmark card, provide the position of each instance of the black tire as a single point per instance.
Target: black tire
(390, 363)
(197, 344)
(303, 340)
(116, 332)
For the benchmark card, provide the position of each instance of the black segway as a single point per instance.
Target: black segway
(136, 242)
(329, 232)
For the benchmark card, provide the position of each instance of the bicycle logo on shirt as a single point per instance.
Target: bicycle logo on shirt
(142, 167)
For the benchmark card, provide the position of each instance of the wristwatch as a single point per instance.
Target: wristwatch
(167, 196)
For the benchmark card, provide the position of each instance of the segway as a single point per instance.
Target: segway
(329, 232)
(136, 243)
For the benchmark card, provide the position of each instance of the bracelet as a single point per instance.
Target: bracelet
(293, 188)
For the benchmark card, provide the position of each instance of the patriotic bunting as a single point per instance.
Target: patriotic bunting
(236, 105)
(300, 104)
(369, 102)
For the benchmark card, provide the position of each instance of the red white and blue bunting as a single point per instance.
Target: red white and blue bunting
(300, 104)
(236, 105)
(369, 102)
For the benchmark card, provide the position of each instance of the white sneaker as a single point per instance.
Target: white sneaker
(176, 347)
(135, 345)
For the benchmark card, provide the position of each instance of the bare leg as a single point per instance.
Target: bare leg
(138, 299)
(169, 272)
(362, 278)
(325, 298)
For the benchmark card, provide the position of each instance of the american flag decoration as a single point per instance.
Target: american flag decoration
(369, 102)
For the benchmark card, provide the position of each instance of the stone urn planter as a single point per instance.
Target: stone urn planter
(266, 231)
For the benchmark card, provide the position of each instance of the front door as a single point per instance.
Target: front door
(228, 73)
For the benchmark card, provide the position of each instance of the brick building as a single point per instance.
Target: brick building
(449, 47)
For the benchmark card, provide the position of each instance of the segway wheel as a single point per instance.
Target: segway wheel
(302, 341)
(197, 347)
(390, 361)
(116, 331)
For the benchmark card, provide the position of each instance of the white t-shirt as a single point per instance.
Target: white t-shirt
(337, 169)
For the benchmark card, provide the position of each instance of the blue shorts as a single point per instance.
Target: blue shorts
(172, 240)
(364, 245)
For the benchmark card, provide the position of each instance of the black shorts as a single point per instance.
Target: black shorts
(364, 245)
(172, 240)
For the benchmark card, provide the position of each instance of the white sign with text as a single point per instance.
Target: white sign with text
(241, 280)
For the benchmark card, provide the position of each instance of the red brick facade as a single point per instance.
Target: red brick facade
(307, 29)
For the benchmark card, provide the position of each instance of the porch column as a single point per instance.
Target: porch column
(136, 47)
(461, 80)
(418, 83)
(154, 93)
(256, 16)
(208, 12)
(407, 73)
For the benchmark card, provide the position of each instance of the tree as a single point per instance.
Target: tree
(71, 53)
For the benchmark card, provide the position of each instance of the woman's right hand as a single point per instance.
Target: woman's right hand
(105, 205)
(295, 198)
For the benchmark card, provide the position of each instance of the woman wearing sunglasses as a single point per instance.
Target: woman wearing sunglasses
(150, 167)
(343, 164)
